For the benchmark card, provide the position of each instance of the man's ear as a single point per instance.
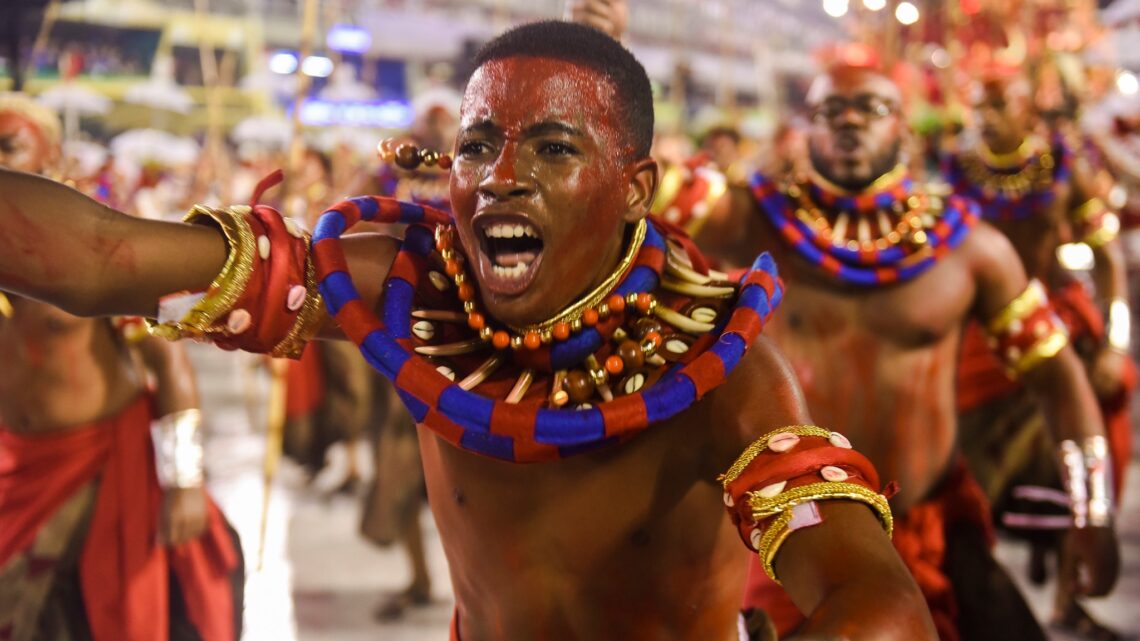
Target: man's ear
(641, 189)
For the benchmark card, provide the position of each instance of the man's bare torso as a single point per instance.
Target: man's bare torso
(878, 364)
(60, 370)
(631, 542)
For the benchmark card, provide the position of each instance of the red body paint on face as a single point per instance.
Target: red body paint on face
(540, 149)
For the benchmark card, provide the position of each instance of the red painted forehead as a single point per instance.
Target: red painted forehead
(520, 91)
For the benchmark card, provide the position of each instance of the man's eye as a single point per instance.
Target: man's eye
(558, 149)
(472, 148)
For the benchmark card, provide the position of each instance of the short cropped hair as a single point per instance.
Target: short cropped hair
(595, 50)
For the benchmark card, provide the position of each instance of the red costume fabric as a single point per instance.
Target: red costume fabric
(982, 377)
(124, 575)
(920, 539)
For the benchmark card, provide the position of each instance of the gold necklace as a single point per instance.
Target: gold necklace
(595, 299)
(1034, 174)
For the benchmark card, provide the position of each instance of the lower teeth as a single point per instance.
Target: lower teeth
(511, 272)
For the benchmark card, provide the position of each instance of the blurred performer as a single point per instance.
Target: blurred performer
(107, 531)
(395, 500)
(579, 384)
(882, 276)
(1035, 182)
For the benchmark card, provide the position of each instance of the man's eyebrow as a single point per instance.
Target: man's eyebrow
(538, 129)
(481, 127)
(553, 127)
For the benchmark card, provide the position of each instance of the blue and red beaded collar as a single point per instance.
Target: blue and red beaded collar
(1011, 191)
(890, 233)
(519, 401)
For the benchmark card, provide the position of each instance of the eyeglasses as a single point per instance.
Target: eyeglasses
(868, 106)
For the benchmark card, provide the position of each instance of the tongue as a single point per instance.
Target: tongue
(512, 259)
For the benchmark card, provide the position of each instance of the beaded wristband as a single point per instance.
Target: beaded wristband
(1027, 331)
(178, 453)
(772, 487)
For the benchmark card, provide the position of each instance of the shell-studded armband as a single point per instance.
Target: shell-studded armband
(688, 193)
(1027, 331)
(1095, 224)
(264, 300)
(773, 487)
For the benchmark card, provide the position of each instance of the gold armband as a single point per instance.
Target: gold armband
(6, 310)
(772, 488)
(1097, 224)
(687, 194)
(1027, 331)
(202, 318)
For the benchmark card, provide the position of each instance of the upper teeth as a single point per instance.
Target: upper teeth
(507, 230)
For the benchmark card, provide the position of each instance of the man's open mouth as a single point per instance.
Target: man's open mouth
(512, 248)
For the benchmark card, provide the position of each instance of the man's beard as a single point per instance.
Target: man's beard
(880, 165)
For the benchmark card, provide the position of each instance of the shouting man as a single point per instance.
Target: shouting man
(590, 396)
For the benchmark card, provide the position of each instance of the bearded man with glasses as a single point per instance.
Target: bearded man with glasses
(882, 274)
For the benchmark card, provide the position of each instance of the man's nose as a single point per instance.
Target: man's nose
(507, 176)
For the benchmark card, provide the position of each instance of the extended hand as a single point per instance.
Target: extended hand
(1095, 555)
(182, 517)
(1107, 376)
(608, 16)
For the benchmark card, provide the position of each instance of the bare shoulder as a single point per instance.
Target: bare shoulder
(759, 396)
(996, 267)
(729, 232)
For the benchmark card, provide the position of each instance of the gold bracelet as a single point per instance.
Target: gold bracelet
(228, 285)
(759, 445)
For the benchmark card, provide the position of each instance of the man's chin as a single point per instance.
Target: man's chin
(517, 310)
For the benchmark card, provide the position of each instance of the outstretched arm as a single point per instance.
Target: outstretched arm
(841, 571)
(66, 249)
(1033, 344)
(63, 248)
